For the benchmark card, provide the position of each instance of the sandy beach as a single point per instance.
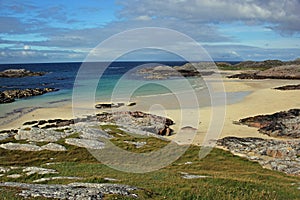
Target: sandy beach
(262, 99)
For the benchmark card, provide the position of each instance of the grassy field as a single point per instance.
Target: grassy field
(229, 176)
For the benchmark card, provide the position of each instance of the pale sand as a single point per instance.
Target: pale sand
(262, 100)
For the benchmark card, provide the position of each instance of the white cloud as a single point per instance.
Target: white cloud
(143, 18)
(284, 15)
(202, 20)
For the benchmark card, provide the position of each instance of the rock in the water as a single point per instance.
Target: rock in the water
(17, 73)
(9, 96)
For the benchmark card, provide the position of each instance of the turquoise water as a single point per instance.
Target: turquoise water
(116, 82)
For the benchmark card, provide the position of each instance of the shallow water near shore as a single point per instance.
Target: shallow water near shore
(115, 83)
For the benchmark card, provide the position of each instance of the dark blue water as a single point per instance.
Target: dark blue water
(62, 75)
(69, 77)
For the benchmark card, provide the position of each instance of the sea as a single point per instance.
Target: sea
(102, 78)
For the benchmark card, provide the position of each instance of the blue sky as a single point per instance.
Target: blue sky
(65, 30)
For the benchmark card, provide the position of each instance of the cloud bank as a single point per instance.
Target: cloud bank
(37, 31)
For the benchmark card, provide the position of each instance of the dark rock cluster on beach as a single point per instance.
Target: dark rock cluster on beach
(113, 105)
(277, 155)
(285, 124)
(72, 190)
(9, 96)
(17, 73)
(288, 87)
(279, 72)
(186, 70)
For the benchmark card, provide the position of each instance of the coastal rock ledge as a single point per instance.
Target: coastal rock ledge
(9, 96)
(279, 155)
(18, 73)
(285, 124)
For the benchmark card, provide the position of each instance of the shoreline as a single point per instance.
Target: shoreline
(262, 99)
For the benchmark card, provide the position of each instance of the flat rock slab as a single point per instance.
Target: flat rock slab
(57, 178)
(32, 147)
(85, 143)
(20, 147)
(53, 147)
(71, 191)
(192, 176)
(38, 170)
(41, 135)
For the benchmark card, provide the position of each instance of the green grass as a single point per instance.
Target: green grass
(118, 140)
(230, 177)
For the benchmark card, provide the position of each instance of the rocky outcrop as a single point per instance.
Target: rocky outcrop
(83, 132)
(9, 96)
(138, 122)
(277, 155)
(186, 70)
(279, 72)
(288, 87)
(284, 124)
(17, 73)
(72, 190)
(41, 135)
